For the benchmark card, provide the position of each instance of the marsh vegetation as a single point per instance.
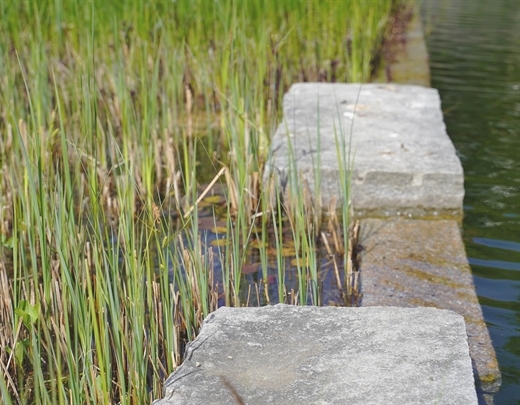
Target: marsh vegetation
(129, 131)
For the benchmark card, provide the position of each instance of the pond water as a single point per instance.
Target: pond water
(474, 48)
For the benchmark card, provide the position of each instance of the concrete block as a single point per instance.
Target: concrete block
(416, 263)
(395, 144)
(326, 355)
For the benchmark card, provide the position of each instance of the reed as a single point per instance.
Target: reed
(111, 114)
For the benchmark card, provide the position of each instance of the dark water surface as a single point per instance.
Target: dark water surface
(474, 48)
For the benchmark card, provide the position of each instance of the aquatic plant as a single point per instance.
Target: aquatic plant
(111, 116)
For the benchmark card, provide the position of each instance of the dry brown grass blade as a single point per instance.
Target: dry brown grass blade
(268, 299)
(333, 227)
(355, 233)
(221, 171)
(233, 192)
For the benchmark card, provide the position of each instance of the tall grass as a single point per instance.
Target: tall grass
(104, 270)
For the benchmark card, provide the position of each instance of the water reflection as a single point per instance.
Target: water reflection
(501, 244)
(474, 49)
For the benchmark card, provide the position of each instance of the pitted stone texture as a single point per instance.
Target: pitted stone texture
(411, 263)
(326, 355)
(394, 138)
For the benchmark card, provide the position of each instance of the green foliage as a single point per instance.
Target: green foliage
(103, 107)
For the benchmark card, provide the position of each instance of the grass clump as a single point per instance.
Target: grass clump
(106, 110)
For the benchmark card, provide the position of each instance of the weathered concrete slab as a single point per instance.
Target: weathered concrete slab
(403, 160)
(328, 355)
(411, 263)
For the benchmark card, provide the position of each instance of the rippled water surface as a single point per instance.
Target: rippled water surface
(474, 49)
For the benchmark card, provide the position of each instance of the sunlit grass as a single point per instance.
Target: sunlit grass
(104, 271)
